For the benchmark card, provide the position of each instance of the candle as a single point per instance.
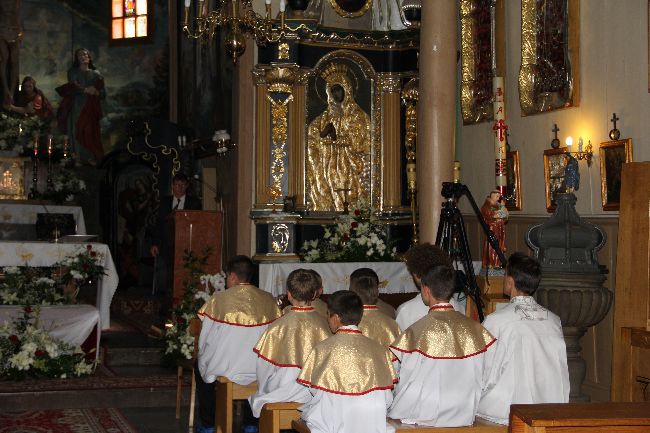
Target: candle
(267, 2)
(500, 129)
(282, 5)
(569, 143)
(580, 144)
(186, 19)
(49, 146)
(184, 141)
(36, 145)
(190, 237)
(188, 3)
(65, 146)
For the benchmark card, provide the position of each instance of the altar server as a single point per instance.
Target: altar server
(419, 259)
(283, 348)
(528, 363)
(233, 322)
(442, 357)
(318, 304)
(374, 324)
(349, 375)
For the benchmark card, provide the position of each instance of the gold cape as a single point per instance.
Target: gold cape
(386, 308)
(444, 334)
(319, 305)
(378, 326)
(290, 339)
(241, 305)
(348, 363)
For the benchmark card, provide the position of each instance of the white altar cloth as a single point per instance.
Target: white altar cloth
(69, 323)
(26, 213)
(49, 253)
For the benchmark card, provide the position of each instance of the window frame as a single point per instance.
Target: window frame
(135, 40)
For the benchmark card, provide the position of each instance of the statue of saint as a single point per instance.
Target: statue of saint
(338, 145)
(571, 174)
(495, 214)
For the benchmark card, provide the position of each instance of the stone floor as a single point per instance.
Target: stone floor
(157, 419)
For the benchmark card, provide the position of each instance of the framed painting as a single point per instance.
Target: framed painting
(513, 197)
(613, 154)
(554, 164)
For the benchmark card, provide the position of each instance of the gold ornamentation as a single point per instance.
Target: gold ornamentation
(243, 305)
(377, 326)
(410, 97)
(350, 13)
(281, 237)
(283, 51)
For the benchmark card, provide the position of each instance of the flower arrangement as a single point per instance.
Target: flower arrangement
(355, 237)
(16, 133)
(84, 266)
(66, 186)
(198, 289)
(27, 351)
(27, 286)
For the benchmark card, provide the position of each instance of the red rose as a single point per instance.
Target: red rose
(89, 247)
(354, 224)
(93, 254)
(14, 339)
(357, 212)
(27, 309)
(39, 353)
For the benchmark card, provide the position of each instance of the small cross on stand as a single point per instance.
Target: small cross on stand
(614, 134)
(555, 143)
(345, 192)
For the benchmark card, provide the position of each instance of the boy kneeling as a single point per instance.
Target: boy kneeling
(350, 376)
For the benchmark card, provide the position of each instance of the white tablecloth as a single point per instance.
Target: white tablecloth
(19, 213)
(393, 276)
(49, 253)
(69, 323)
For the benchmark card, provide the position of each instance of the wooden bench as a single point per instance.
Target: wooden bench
(580, 418)
(278, 416)
(227, 393)
(479, 426)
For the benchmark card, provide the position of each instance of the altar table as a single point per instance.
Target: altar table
(45, 254)
(72, 324)
(26, 213)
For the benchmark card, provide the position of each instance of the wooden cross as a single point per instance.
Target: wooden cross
(614, 119)
(345, 192)
(555, 129)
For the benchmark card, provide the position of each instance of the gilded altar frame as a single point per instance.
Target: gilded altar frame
(554, 165)
(613, 154)
(385, 170)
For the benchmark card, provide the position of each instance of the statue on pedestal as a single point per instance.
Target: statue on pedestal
(495, 214)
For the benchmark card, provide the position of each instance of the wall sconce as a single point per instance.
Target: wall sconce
(222, 143)
(587, 153)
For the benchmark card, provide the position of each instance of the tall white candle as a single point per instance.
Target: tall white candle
(283, 5)
(500, 128)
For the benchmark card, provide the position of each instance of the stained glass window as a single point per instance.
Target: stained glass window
(129, 20)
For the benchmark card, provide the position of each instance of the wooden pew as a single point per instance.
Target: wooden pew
(227, 392)
(278, 416)
(479, 426)
(580, 418)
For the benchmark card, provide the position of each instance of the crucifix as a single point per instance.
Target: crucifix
(555, 143)
(614, 134)
(345, 192)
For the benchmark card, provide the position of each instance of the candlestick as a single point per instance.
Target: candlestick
(65, 147)
(49, 146)
(35, 146)
(186, 19)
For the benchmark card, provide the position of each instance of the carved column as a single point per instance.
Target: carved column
(297, 116)
(437, 105)
(262, 140)
(391, 90)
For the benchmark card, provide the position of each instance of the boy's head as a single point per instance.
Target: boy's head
(239, 270)
(365, 283)
(438, 284)
(344, 308)
(523, 274)
(303, 285)
(319, 282)
(421, 257)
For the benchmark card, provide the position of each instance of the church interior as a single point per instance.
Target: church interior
(146, 143)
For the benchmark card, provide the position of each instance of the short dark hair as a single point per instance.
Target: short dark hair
(319, 280)
(365, 283)
(421, 257)
(441, 281)
(303, 284)
(347, 305)
(181, 177)
(525, 271)
(242, 266)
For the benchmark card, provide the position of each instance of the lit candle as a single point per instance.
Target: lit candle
(49, 146)
(569, 143)
(35, 145)
(65, 146)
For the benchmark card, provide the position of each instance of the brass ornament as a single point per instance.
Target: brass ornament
(283, 51)
(280, 235)
(348, 12)
(410, 96)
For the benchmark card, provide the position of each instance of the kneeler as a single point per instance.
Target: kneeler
(278, 416)
(188, 364)
(479, 426)
(227, 393)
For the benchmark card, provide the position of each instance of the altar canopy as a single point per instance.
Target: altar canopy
(45, 254)
(72, 324)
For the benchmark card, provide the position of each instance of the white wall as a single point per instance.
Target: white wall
(614, 78)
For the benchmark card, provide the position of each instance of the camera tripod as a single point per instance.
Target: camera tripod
(452, 237)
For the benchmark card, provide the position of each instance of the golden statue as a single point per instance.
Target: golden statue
(338, 145)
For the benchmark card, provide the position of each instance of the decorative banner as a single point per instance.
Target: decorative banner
(500, 128)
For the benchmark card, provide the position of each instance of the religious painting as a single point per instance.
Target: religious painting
(351, 8)
(12, 178)
(340, 133)
(549, 55)
(513, 186)
(613, 154)
(477, 61)
(554, 165)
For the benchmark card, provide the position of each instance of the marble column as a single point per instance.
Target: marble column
(437, 109)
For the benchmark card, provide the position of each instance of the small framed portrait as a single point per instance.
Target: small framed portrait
(554, 165)
(351, 8)
(613, 154)
(513, 195)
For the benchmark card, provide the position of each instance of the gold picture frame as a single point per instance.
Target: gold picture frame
(351, 8)
(513, 197)
(613, 154)
(554, 164)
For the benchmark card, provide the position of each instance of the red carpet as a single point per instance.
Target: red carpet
(66, 421)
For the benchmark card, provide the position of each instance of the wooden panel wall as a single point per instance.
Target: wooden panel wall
(597, 342)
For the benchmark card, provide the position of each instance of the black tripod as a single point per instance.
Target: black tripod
(452, 237)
